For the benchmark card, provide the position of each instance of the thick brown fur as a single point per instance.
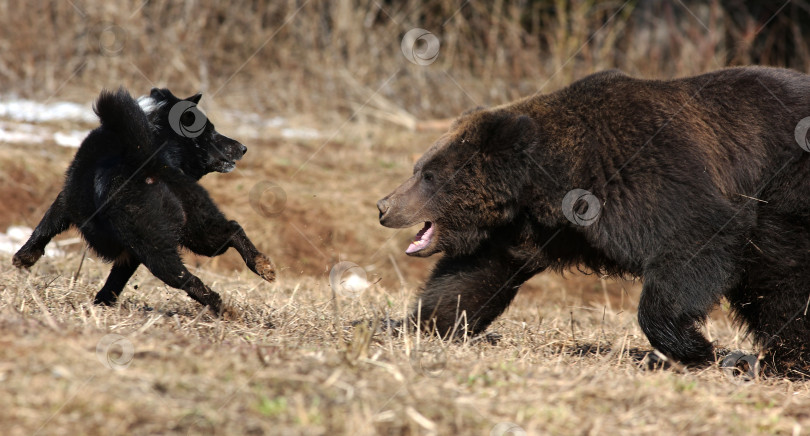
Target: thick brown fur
(701, 189)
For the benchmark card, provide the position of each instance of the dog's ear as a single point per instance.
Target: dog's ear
(195, 98)
(157, 94)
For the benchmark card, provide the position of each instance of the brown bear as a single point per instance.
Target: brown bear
(696, 185)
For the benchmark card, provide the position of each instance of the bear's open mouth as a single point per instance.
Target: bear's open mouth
(422, 239)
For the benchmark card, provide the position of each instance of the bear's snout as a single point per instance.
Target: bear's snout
(393, 214)
(384, 206)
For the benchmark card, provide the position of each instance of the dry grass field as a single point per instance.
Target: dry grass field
(292, 364)
(333, 117)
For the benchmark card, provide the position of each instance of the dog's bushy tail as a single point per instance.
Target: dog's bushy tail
(121, 114)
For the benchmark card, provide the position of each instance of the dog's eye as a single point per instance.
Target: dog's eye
(428, 176)
(187, 119)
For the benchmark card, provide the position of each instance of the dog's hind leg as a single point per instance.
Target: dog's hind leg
(170, 269)
(121, 272)
(53, 223)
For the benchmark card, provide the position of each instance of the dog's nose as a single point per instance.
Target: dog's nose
(244, 149)
(383, 206)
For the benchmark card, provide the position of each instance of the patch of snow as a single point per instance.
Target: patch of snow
(15, 238)
(254, 119)
(275, 122)
(36, 112)
(32, 134)
(10, 134)
(73, 138)
(300, 133)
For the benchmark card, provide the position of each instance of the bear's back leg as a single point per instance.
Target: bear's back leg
(686, 277)
(773, 298)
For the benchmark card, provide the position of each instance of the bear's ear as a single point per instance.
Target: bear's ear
(507, 132)
(457, 122)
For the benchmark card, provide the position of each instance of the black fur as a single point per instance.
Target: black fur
(702, 190)
(132, 192)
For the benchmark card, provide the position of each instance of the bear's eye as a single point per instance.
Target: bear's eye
(428, 177)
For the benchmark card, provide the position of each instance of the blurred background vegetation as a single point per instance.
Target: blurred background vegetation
(328, 58)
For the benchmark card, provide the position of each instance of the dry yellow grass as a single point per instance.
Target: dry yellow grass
(292, 364)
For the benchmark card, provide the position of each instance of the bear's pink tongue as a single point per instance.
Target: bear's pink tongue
(422, 239)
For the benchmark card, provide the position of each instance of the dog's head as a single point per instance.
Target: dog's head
(187, 137)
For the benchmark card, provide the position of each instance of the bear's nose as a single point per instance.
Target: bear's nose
(244, 149)
(383, 206)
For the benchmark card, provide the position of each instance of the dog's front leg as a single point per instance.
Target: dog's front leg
(254, 259)
(209, 233)
(217, 235)
(53, 223)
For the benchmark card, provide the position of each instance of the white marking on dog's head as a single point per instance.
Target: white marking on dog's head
(149, 104)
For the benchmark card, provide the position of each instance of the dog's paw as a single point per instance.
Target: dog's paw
(108, 300)
(24, 260)
(226, 312)
(264, 267)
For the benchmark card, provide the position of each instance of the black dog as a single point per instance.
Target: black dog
(132, 192)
